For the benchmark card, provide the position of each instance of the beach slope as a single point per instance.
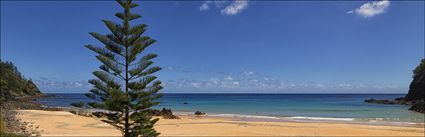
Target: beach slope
(62, 123)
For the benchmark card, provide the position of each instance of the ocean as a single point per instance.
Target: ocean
(339, 107)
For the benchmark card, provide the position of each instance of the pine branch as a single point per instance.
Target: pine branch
(128, 16)
(101, 51)
(118, 101)
(100, 93)
(106, 69)
(150, 92)
(110, 65)
(108, 80)
(145, 58)
(138, 29)
(116, 30)
(109, 44)
(141, 84)
(127, 3)
(96, 105)
(139, 69)
(148, 72)
(99, 85)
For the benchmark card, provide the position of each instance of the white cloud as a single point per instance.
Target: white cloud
(228, 78)
(249, 81)
(235, 8)
(248, 73)
(205, 6)
(196, 84)
(50, 85)
(371, 9)
(170, 68)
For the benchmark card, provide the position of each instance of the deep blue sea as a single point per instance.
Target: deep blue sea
(350, 107)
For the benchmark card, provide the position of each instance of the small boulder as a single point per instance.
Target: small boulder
(165, 113)
(168, 114)
(199, 113)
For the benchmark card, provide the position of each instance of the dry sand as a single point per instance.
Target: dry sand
(61, 123)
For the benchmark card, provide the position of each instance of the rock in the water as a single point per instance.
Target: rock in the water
(418, 107)
(199, 113)
(398, 101)
(379, 101)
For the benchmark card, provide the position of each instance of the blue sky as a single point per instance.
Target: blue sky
(228, 46)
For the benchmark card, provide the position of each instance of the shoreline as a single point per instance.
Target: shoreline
(330, 109)
(63, 123)
(265, 118)
(305, 119)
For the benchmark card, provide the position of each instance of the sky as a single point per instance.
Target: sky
(227, 46)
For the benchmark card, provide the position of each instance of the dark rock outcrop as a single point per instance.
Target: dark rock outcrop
(418, 107)
(165, 113)
(199, 113)
(396, 101)
(417, 86)
(416, 95)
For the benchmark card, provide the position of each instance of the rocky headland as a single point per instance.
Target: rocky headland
(16, 92)
(416, 95)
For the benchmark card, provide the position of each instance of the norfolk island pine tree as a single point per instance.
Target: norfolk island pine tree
(125, 85)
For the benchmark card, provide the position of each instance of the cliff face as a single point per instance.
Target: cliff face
(417, 87)
(416, 95)
(13, 85)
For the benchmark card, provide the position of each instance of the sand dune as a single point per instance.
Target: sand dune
(61, 123)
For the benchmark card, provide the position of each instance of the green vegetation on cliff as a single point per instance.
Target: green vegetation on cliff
(420, 69)
(13, 85)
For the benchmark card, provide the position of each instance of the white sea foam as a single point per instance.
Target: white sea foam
(185, 113)
(301, 118)
(283, 118)
(323, 118)
(244, 116)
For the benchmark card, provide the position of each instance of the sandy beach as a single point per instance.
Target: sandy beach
(62, 123)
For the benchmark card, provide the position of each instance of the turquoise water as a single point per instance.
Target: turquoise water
(348, 107)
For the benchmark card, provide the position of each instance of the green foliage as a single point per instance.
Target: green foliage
(13, 84)
(420, 69)
(125, 85)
